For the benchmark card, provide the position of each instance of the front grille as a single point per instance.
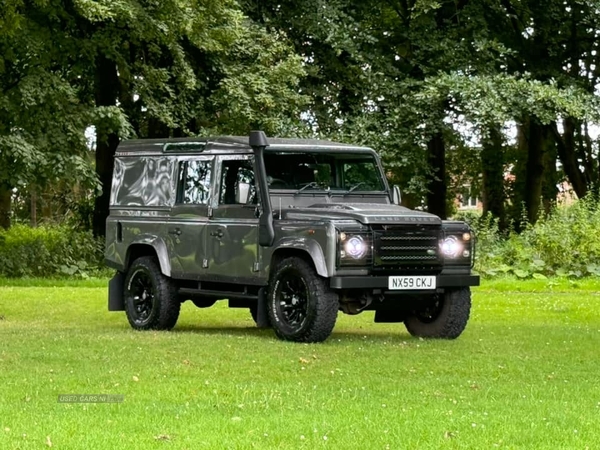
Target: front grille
(410, 249)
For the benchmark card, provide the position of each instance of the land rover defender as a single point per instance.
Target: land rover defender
(293, 230)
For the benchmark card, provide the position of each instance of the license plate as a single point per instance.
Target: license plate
(411, 282)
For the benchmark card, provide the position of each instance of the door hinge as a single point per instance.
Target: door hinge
(205, 263)
(256, 267)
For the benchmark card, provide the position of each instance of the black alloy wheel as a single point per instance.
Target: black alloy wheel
(143, 296)
(151, 300)
(292, 299)
(300, 304)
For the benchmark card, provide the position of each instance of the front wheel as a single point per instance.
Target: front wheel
(301, 306)
(446, 317)
(151, 301)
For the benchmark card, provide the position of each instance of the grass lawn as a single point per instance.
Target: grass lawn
(523, 375)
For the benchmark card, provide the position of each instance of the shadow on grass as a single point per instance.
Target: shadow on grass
(267, 333)
(381, 337)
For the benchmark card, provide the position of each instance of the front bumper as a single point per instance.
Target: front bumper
(443, 281)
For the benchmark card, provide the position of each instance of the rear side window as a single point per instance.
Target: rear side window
(143, 181)
(194, 182)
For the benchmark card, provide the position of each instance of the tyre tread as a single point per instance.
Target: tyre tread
(452, 319)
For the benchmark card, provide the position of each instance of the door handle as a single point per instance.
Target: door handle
(218, 233)
(175, 231)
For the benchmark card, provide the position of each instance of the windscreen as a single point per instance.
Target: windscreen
(330, 171)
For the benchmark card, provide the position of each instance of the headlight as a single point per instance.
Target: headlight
(457, 247)
(355, 247)
(452, 247)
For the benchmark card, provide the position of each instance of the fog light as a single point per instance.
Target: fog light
(466, 254)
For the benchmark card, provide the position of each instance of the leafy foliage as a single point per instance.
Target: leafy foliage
(130, 68)
(564, 243)
(425, 82)
(398, 75)
(49, 252)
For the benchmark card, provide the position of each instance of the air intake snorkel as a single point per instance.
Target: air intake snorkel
(266, 233)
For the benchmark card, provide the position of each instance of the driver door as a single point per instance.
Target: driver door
(233, 227)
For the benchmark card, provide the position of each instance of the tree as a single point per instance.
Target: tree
(146, 69)
(394, 73)
(42, 120)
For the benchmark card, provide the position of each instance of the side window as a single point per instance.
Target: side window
(143, 181)
(194, 182)
(237, 182)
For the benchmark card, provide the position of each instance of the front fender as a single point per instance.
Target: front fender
(308, 245)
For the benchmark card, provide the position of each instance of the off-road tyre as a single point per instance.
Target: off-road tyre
(151, 300)
(312, 315)
(446, 318)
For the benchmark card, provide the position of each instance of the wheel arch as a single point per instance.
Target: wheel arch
(150, 246)
(311, 251)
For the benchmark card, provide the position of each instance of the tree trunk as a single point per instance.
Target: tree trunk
(5, 206)
(157, 129)
(568, 157)
(529, 171)
(33, 207)
(436, 197)
(106, 94)
(519, 174)
(551, 178)
(492, 162)
(535, 170)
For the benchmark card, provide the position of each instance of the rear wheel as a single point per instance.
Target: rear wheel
(151, 301)
(301, 306)
(446, 317)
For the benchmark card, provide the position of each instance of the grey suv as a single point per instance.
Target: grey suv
(293, 230)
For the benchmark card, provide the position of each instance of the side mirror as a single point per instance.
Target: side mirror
(242, 193)
(396, 195)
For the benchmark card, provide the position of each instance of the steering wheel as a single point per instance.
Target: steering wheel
(277, 183)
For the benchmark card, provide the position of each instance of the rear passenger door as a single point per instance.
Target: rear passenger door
(187, 225)
(233, 226)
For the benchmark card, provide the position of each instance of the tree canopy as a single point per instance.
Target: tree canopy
(435, 85)
(131, 68)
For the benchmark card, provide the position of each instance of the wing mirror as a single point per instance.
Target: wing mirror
(396, 195)
(242, 193)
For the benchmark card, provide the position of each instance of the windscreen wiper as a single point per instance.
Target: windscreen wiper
(312, 184)
(353, 188)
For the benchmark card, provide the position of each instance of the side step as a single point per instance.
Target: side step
(214, 293)
(236, 300)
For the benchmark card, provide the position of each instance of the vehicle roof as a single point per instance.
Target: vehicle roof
(228, 144)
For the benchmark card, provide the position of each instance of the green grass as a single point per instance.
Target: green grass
(523, 375)
(54, 282)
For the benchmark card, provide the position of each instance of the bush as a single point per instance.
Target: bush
(49, 251)
(565, 243)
